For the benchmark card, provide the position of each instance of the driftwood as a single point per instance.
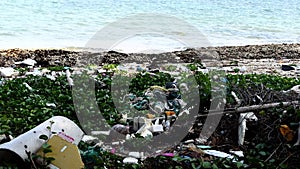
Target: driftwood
(258, 97)
(251, 108)
(263, 106)
(229, 132)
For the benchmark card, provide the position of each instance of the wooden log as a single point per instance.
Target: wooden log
(251, 108)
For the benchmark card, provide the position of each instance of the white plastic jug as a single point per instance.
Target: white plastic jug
(15, 150)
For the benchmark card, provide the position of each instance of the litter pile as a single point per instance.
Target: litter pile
(259, 126)
(262, 120)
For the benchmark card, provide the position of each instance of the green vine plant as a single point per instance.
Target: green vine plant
(41, 161)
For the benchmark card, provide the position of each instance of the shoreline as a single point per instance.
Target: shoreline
(275, 51)
(221, 50)
(258, 59)
(211, 46)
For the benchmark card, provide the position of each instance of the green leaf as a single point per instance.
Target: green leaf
(214, 166)
(226, 166)
(272, 160)
(47, 150)
(175, 158)
(46, 145)
(261, 164)
(239, 164)
(50, 159)
(262, 153)
(206, 164)
(194, 166)
(283, 166)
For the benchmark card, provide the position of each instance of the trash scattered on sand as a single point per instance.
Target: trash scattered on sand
(8, 72)
(28, 62)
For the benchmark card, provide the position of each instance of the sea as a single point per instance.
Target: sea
(141, 25)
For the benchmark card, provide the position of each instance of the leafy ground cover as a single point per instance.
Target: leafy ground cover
(22, 108)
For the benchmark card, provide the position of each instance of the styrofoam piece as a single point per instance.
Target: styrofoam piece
(7, 71)
(156, 122)
(51, 104)
(68, 73)
(88, 138)
(238, 153)
(29, 62)
(242, 125)
(69, 79)
(205, 71)
(45, 70)
(158, 151)
(218, 154)
(243, 69)
(100, 132)
(146, 133)
(130, 160)
(241, 131)
(51, 77)
(157, 128)
(30, 140)
(101, 71)
(203, 146)
(189, 141)
(228, 69)
(136, 154)
(129, 136)
(27, 86)
(115, 143)
(35, 72)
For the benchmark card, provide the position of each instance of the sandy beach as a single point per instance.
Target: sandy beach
(256, 59)
(39, 75)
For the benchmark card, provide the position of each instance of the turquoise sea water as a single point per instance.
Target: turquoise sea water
(71, 23)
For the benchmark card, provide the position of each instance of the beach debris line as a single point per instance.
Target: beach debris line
(263, 102)
(143, 124)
